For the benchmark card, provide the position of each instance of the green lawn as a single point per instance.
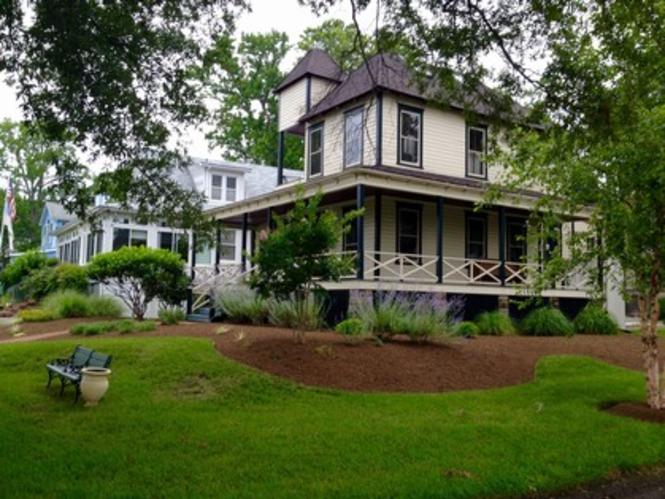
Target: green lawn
(181, 421)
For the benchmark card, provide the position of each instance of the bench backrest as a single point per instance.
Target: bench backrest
(98, 359)
(81, 356)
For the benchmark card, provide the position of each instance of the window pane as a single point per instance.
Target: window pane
(203, 256)
(410, 124)
(120, 238)
(350, 242)
(165, 241)
(216, 180)
(182, 246)
(315, 150)
(139, 238)
(231, 188)
(475, 240)
(100, 239)
(227, 240)
(410, 150)
(315, 164)
(516, 239)
(476, 139)
(353, 138)
(409, 231)
(409, 139)
(476, 165)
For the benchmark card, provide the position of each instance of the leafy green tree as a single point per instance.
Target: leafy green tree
(240, 79)
(114, 78)
(296, 255)
(22, 266)
(592, 72)
(341, 41)
(138, 275)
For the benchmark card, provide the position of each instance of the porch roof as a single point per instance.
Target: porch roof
(396, 179)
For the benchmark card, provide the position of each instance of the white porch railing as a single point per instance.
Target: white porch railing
(400, 266)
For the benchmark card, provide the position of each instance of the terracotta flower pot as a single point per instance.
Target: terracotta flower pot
(94, 383)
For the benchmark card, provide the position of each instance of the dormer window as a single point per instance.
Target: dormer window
(353, 137)
(315, 159)
(476, 149)
(223, 187)
(410, 131)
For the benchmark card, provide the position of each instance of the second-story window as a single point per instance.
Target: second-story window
(476, 143)
(223, 187)
(315, 150)
(353, 137)
(410, 136)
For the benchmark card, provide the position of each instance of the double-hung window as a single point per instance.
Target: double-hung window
(223, 187)
(409, 229)
(410, 130)
(353, 137)
(315, 141)
(350, 241)
(476, 149)
(227, 244)
(175, 242)
(129, 237)
(216, 189)
(231, 186)
(476, 236)
(516, 239)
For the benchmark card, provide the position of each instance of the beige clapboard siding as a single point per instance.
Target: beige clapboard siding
(333, 136)
(292, 104)
(443, 137)
(319, 89)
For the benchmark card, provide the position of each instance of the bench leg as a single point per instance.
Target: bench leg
(50, 378)
(62, 386)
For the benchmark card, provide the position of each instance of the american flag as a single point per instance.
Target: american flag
(10, 202)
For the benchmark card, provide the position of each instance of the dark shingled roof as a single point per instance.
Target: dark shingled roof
(390, 72)
(315, 62)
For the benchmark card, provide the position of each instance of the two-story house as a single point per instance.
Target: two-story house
(374, 140)
(53, 217)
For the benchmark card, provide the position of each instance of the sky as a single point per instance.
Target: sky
(281, 15)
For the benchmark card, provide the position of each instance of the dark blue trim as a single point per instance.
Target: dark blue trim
(439, 239)
(280, 158)
(377, 229)
(360, 231)
(243, 246)
(502, 245)
(308, 94)
(379, 128)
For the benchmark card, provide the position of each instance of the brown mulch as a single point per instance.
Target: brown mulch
(638, 410)
(326, 360)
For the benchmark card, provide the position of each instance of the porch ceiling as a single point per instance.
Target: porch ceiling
(406, 182)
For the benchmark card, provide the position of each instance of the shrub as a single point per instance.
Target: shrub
(546, 321)
(138, 275)
(64, 304)
(350, 327)
(304, 315)
(36, 315)
(421, 317)
(594, 319)
(467, 329)
(494, 324)
(171, 316)
(243, 305)
(124, 326)
(19, 268)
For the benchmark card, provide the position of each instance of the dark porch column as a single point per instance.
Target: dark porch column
(439, 239)
(377, 230)
(192, 273)
(360, 231)
(280, 158)
(502, 245)
(270, 225)
(243, 245)
(600, 263)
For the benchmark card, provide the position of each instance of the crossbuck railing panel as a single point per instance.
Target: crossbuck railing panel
(400, 266)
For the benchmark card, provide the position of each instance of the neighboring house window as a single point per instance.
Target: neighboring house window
(476, 236)
(476, 144)
(350, 242)
(231, 183)
(175, 242)
(515, 239)
(315, 150)
(223, 187)
(409, 229)
(227, 245)
(203, 255)
(410, 130)
(93, 245)
(129, 237)
(353, 137)
(76, 250)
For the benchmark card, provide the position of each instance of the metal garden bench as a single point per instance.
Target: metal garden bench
(68, 370)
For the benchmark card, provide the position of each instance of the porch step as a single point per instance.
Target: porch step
(198, 317)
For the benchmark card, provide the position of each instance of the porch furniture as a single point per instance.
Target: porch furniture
(68, 370)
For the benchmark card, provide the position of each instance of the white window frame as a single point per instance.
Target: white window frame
(419, 114)
(349, 115)
(223, 188)
(233, 245)
(312, 130)
(471, 153)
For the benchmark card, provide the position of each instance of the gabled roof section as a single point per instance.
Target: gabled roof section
(382, 71)
(315, 62)
(58, 212)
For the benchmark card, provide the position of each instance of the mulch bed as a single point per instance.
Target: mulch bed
(637, 410)
(33, 328)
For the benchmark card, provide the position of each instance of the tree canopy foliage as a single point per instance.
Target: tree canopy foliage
(114, 79)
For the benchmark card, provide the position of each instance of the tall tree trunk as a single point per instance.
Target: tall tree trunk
(649, 312)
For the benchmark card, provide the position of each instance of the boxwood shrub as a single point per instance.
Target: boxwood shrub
(467, 329)
(546, 321)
